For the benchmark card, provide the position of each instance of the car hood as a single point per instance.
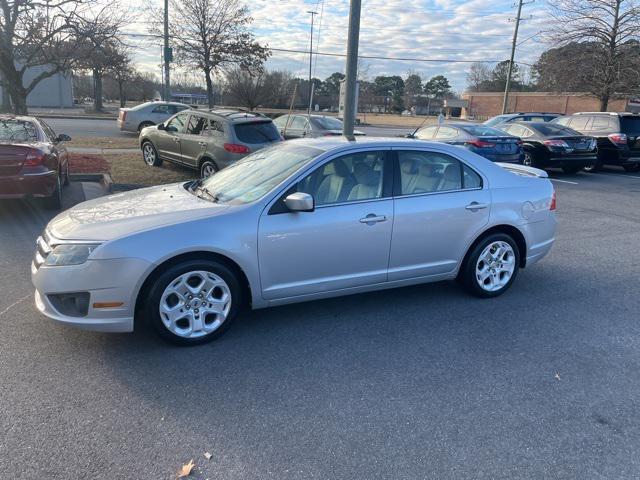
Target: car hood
(120, 214)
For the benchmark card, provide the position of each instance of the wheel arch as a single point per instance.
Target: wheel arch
(194, 255)
(510, 230)
(207, 156)
(145, 123)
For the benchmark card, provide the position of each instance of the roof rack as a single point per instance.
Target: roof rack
(227, 112)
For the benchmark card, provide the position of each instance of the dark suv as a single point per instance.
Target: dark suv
(618, 136)
(499, 120)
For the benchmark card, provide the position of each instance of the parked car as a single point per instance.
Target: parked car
(300, 126)
(488, 142)
(147, 114)
(552, 145)
(207, 141)
(33, 160)
(618, 136)
(302, 220)
(521, 117)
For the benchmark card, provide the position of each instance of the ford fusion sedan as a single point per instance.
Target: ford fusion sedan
(33, 160)
(147, 114)
(302, 220)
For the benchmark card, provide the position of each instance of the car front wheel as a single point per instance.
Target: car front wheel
(491, 266)
(150, 155)
(193, 302)
(207, 169)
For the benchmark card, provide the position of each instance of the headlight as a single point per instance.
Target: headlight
(70, 254)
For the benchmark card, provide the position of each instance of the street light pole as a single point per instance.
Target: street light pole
(350, 107)
(505, 102)
(313, 14)
(167, 56)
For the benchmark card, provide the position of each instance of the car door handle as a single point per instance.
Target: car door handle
(371, 219)
(473, 206)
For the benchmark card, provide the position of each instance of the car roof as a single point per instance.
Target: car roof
(336, 142)
(237, 116)
(613, 114)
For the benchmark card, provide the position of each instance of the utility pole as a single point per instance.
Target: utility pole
(351, 78)
(313, 14)
(505, 103)
(167, 54)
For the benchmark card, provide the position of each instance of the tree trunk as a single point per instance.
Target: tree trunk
(97, 90)
(210, 99)
(604, 102)
(123, 100)
(18, 96)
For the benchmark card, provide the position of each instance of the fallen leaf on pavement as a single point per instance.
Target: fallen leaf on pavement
(186, 469)
(207, 455)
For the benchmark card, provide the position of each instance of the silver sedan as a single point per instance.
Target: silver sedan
(302, 220)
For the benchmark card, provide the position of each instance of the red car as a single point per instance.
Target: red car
(33, 160)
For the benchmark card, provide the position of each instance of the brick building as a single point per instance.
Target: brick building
(482, 105)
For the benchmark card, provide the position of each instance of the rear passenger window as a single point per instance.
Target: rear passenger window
(447, 132)
(429, 172)
(470, 179)
(213, 128)
(195, 126)
(601, 123)
(579, 123)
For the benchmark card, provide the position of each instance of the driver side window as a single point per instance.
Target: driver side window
(349, 178)
(176, 124)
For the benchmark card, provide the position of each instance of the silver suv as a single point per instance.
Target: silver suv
(207, 141)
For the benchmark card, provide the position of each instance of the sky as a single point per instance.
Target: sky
(454, 31)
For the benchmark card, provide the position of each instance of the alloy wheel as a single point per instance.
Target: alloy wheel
(195, 304)
(208, 169)
(149, 154)
(528, 159)
(495, 266)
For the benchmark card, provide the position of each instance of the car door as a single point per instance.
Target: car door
(58, 147)
(168, 140)
(440, 205)
(344, 243)
(192, 143)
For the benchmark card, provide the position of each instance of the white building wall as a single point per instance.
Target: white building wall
(54, 92)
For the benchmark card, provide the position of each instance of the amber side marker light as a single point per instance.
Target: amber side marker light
(107, 304)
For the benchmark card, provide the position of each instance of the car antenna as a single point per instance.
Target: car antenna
(421, 125)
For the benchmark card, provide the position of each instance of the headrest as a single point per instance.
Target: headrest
(426, 169)
(408, 165)
(341, 168)
(452, 173)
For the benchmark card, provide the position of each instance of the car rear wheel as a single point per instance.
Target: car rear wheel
(144, 125)
(632, 168)
(593, 167)
(54, 202)
(193, 302)
(150, 155)
(572, 168)
(529, 159)
(207, 168)
(491, 266)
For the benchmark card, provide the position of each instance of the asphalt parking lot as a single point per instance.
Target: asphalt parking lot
(420, 382)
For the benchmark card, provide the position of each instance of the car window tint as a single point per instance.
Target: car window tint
(515, 129)
(470, 179)
(562, 121)
(195, 125)
(212, 128)
(48, 131)
(426, 133)
(18, 130)
(601, 123)
(447, 132)
(176, 124)
(349, 178)
(630, 125)
(580, 123)
(298, 123)
(257, 132)
(161, 109)
(427, 172)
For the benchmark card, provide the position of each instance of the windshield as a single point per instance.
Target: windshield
(255, 175)
(17, 131)
(483, 131)
(496, 120)
(328, 123)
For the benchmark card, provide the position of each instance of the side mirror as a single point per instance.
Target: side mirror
(63, 138)
(300, 202)
(161, 126)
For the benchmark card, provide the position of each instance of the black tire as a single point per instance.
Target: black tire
(144, 125)
(467, 275)
(632, 168)
(150, 154)
(572, 168)
(54, 202)
(529, 159)
(206, 166)
(151, 304)
(593, 167)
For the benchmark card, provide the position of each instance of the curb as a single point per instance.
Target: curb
(75, 117)
(104, 179)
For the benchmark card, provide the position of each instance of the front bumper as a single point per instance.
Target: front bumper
(106, 281)
(40, 184)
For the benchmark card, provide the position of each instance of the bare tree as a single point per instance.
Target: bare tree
(478, 74)
(247, 90)
(611, 28)
(212, 36)
(45, 34)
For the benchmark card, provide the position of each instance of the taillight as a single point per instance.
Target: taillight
(34, 158)
(123, 115)
(235, 148)
(618, 138)
(556, 143)
(553, 205)
(481, 144)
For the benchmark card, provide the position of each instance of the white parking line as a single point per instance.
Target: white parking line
(563, 181)
(616, 175)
